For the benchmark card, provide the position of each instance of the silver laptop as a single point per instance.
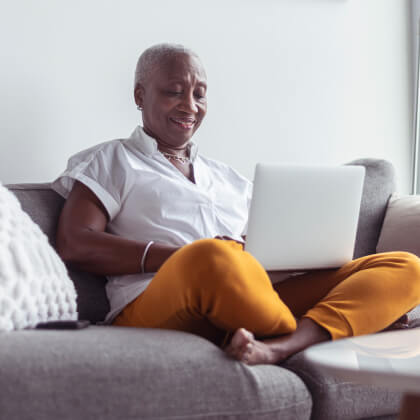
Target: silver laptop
(304, 217)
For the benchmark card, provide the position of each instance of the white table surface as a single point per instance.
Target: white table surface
(389, 359)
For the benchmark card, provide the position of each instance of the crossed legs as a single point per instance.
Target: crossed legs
(211, 287)
(364, 296)
(208, 288)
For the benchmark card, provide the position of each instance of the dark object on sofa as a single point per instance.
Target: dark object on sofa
(112, 373)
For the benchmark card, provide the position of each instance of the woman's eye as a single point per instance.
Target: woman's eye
(200, 95)
(174, 92)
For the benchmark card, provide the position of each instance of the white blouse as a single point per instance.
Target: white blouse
(148, 199)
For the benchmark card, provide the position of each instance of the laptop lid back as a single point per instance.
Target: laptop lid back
(304, 217)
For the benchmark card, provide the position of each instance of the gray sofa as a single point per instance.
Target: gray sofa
(114, 373)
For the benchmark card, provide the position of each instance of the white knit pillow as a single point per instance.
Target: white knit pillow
(34, 285)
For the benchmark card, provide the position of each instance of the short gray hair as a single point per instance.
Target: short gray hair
(153, 56)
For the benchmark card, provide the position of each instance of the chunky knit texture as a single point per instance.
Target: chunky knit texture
(34, 285)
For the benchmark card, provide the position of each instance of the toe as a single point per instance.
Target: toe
(239, 338)
(246, 352)
(249, 334)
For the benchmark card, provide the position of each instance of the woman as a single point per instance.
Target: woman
(165, 225)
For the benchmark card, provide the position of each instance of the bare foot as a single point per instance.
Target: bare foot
(245, 348)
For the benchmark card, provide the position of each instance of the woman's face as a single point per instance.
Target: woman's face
(174, 100)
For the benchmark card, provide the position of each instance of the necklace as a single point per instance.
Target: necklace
(181, 159)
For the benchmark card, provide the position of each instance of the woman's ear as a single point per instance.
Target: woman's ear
(139, 95)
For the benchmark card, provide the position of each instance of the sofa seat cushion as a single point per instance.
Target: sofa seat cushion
(131, 373)
(337, 399)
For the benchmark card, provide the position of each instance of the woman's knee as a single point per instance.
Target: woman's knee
(407, 261)
(394, 259)
(409, 265)
(206, 248)
(208, 254)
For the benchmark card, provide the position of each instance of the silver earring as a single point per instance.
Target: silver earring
(139, 108)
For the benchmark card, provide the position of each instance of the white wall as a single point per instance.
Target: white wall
(320, 81)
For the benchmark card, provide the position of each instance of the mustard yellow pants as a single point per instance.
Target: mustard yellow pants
(211, 287)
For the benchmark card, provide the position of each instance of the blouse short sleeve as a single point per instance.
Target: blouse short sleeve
(98, 168)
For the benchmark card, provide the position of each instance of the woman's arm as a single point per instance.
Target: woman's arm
(83, 243)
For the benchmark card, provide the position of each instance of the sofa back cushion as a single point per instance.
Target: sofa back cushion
(44, 206)
(377, 189)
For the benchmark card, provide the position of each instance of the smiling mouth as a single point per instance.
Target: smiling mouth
(184, 123)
